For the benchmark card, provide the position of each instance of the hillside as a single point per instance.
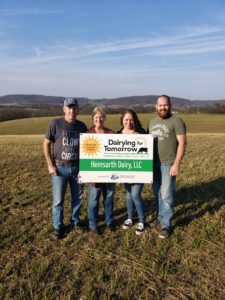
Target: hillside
(148, 100)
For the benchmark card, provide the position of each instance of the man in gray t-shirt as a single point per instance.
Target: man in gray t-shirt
(61, 149)
(169, 147)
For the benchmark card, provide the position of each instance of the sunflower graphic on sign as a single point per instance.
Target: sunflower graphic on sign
(91, 146)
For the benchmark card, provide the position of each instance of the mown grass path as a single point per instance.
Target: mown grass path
(119, 265)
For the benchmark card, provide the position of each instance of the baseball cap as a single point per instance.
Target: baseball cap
(70, 101)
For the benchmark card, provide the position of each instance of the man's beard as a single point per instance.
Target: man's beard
(164, 114)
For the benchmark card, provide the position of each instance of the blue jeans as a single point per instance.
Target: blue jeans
(164, 187)
(66, 174)
(133, 198)
(107, 190)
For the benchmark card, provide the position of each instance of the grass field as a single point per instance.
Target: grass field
(195, 123)
(118, 265)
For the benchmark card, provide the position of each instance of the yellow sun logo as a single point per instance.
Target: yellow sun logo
(91, 146)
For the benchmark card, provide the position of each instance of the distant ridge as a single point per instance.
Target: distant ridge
(148, 100)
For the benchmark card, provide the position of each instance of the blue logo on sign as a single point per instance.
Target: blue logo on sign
(114, 176)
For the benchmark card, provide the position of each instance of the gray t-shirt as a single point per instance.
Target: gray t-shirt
(65, 138)
(165, 141)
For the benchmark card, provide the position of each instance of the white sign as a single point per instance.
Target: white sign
(116, 158)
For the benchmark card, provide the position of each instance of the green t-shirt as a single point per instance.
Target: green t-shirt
(165, 141)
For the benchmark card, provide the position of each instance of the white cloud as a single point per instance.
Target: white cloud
(107, 83)
(195, 41)
(120, 68)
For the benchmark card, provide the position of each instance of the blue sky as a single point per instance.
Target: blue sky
(113, 48)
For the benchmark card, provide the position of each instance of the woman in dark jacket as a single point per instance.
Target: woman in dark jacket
(131, 125)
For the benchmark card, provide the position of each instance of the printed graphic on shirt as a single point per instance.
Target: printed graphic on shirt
(70, 144)
(160, 131)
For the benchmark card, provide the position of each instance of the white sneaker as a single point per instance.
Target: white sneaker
(127, 224)
(139, 228)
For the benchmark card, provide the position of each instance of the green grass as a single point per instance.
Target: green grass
(195, 123)
(189, 265)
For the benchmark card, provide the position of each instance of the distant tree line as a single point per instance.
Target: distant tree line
(208, 109)
(21, 112)
(35, 110)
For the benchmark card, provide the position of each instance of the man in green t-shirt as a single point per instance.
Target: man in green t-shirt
(169, 134)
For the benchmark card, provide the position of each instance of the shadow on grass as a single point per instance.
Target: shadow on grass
(196, 201)
(199, 199)
(121, 214)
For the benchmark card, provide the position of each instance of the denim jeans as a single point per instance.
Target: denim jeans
(107, 190)
(66, 175)
(133, 198)
(164, 187)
